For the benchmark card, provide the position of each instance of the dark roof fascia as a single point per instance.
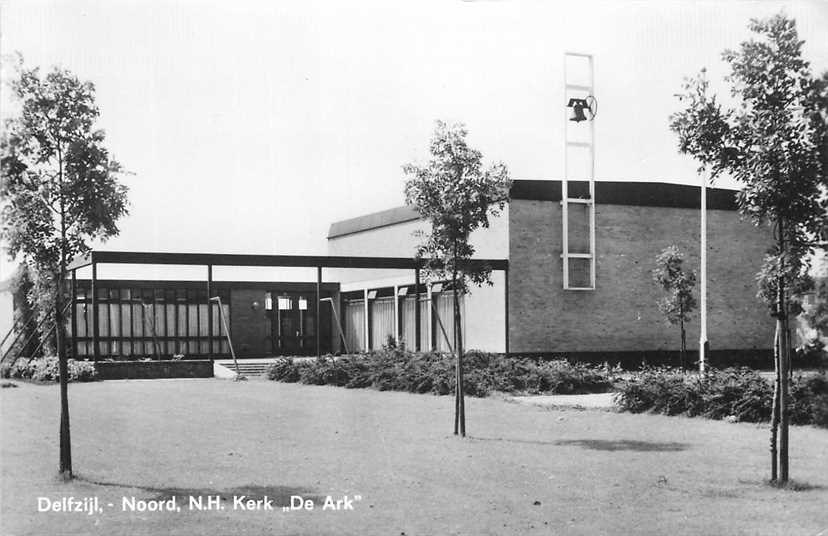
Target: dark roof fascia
(194, 284)
(644, 194)
(296, 261)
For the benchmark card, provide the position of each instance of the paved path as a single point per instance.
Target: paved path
(591, 401)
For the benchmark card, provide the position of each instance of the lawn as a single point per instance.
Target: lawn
(523, 470)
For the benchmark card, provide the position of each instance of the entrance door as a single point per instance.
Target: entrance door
(294, 326)
(287, 325)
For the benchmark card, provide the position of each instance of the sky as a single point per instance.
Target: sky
(248, 127)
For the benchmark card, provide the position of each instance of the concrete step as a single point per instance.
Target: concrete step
(246, 367)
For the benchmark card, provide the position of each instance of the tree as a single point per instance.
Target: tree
(60, 191)
(26, 329)
(817, 315)
(679, 302)
(456, 195)
(772, 140)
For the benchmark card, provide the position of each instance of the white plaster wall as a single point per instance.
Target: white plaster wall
(484, 307)
(399, 241)
(486, 316)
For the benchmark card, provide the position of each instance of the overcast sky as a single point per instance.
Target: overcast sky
(249, 126)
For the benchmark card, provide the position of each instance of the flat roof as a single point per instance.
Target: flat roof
(644, 194)
(196, 284)
(281, 261)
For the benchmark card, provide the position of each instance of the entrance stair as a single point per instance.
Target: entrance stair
(247, 367)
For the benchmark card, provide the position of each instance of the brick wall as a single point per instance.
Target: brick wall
(145, 370)
(621, 313)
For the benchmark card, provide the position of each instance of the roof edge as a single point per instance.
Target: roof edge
(645, 194)
(373, 220)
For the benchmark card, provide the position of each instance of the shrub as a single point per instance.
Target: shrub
(395, 369)
(46, 369)
(810, 355)
(740, 393)
(810, 400)
(283, 370)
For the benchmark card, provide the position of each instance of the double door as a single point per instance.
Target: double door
(294, 324)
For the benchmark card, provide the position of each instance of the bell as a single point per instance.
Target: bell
(578, 106)
(577, 114)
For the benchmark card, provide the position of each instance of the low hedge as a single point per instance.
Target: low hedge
(741, 394)
(396, 369)
(46, 369)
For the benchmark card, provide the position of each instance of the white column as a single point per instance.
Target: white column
(430, 310)
(367, 345)
(703, 288)
(397, 314)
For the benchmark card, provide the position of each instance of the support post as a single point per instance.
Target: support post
(73, 314)
(318, 309)
(96, 347)
(209, 311)
(431, 329)
(228, 334)
(703, 344)
(506, 309)
(365, 323)
(397, 314)
(417, 320)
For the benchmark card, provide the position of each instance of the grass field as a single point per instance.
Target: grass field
(523, 470)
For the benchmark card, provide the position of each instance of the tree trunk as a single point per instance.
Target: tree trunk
(458, 337)
(683, 352)
(784, 344)
(775, 410)
(784, 388)
(60, 336)
(459, 401)
(65, 443)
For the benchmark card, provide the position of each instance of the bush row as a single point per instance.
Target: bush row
(741, 394)
(396, 369)
(46, 369)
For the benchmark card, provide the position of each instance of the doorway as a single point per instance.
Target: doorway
(294, 324)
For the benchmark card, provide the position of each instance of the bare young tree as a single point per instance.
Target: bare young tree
(773, 142)
(457, 195)
(679, 302)
(60, 191)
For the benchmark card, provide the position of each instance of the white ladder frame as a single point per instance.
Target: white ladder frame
(565, 199)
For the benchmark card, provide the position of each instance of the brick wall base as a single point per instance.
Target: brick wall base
(146, 370)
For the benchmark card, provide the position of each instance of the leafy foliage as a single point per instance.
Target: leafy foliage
(741, 394)
(679, 303)
(46, 370)
(60, 189)
(22, 289)
(457, 195)
(817, 315)
(671, 277)
(395, 369)
(772, 142)
(810, 400)
(810, 354)
(793, 270)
